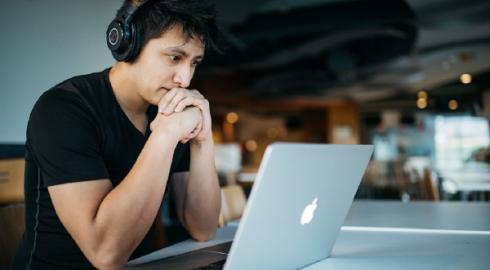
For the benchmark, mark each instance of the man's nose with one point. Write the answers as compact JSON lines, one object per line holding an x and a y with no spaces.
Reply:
{"x":183,"y":76}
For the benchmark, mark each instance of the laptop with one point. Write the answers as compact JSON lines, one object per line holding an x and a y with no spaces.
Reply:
{"x":298,"y":203}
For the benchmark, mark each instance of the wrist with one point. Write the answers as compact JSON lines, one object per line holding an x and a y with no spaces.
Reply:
{"x":166,"y":135}
{"x":203,"y":143}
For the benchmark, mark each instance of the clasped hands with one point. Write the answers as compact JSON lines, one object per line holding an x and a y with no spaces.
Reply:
{"x":185,"y":113}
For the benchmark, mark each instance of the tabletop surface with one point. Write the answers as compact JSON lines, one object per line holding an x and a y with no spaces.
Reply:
{"x":386,"y":235}
{"x":410,"y":250}
{"x":474,"y":216}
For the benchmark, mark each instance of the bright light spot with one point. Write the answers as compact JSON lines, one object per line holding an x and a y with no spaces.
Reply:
{"x":232,"y":117}
{"x":251,"y":145}
{"x":453,"y":104}
{"x":422,"y":94}
{"x":465,"y":78}
{"x":422,"y":103}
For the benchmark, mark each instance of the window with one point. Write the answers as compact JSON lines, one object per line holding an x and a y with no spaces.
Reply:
{"x":457,"y":137}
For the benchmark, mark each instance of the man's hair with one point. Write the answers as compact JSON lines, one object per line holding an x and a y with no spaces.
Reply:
{"x":196,"y":17}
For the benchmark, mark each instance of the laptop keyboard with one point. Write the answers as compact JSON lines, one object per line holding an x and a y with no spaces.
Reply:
{"x":213,"y":266}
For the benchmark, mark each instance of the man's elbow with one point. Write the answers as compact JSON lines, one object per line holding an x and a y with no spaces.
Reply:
{"x":109,"y":260}
{"x":200,"y":230}
{"x":204,"y":236}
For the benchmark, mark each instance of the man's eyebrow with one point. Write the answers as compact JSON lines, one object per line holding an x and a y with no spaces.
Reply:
{"x":184,"y":53}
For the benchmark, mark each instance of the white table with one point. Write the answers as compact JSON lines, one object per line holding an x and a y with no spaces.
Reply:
{"x":466,"y":181}
{"x":423,"y":215}
{"x":388,"y":235}
{"x":407,"y":251}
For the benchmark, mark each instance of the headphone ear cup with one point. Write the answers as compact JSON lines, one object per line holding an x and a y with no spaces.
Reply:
{"x":116,"y":38}
{"x":135,"y":41}
{"x":123,"y":35}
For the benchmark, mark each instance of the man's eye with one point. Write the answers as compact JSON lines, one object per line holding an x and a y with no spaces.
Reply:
{"x":174,"y":58}
{"x":196,"y":63}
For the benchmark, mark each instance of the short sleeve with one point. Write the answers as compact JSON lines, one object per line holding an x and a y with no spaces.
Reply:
{"x":64,"y":139}
{"x":182,"y":158}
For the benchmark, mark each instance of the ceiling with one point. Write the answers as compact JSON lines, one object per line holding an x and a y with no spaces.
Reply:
{"x":374,"y":52}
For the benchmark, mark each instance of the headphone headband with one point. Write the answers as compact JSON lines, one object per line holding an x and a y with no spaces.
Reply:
{"x":132,"y":11}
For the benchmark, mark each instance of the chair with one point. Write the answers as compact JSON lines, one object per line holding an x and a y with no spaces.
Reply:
{"x":12,"y":181}
{"x":420,"y":187}
{"x":233,"y":203}
{"x":431,"y":191}
{"x":12,"y":221}
{"x":12,"y":225}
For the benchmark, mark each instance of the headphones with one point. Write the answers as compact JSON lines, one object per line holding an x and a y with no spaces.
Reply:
{"x":123,"y":36}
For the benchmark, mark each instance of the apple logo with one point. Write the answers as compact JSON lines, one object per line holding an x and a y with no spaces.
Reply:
{"x":309,"y":212}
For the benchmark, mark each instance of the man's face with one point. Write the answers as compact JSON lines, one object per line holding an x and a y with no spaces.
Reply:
{"x":166,"y":62}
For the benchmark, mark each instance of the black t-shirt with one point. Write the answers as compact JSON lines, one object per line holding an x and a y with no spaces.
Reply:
{"x":77,"y":132}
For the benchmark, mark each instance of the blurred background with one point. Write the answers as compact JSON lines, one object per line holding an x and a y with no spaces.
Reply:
{"x":411,"y":77}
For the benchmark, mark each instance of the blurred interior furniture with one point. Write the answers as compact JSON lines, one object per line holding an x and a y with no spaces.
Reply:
{"x":12,"y":227}
{"x":246,"y":181}
{"x":470,"y":184}
{"x":431,"y":190}
{"x":343,"y":124}
{"x":233,"y":203}
{"x":227,"y":157}
{"x":11,"y":181}
{"x":12,"y":221}
{"x":415,"y":184}
{"x":395,"y":180}
{"x":421,"y":186}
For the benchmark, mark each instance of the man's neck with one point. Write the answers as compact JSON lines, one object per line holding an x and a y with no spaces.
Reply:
{"x":124,"y":87}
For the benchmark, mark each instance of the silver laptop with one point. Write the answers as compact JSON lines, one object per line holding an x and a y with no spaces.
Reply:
{"x":298,"y":203}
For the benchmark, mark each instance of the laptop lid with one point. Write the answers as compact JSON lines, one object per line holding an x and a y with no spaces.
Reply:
{"x":298,"y":203}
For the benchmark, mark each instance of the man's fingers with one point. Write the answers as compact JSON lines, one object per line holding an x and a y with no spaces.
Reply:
{"x":167,"y":98}
{"x":170,"y":108}
{"x":205,"y":121}
{"x":191,"y":136}
{"x":188,"y":101}
{"x":172,"y":100}
{"x":199,"y":127}
{"x":195,"y":132}
{"x":197,"y":93}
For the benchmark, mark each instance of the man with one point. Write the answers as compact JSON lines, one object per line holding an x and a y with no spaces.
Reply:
{"x":103,"y":148}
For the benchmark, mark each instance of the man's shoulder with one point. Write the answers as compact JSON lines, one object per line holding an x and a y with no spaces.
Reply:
{"x":88,"y":89}
{"x":79,"y":94}
{"x":81,"y":84}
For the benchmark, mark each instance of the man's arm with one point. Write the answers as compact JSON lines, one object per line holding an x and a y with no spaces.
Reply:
{"x":109,"y":223}
{"x":197,"y":193}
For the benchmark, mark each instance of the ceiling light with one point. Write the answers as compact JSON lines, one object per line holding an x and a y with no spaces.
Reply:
{"x":422,"y":94}
{"x":422,"y":103}
{"x":465,"y":78}
{"x":453,"y":104}
{"x":232,"y":117}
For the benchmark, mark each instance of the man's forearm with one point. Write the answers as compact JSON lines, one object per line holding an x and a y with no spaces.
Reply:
{"x":127,"y":212}
{"x":203,"y":201}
